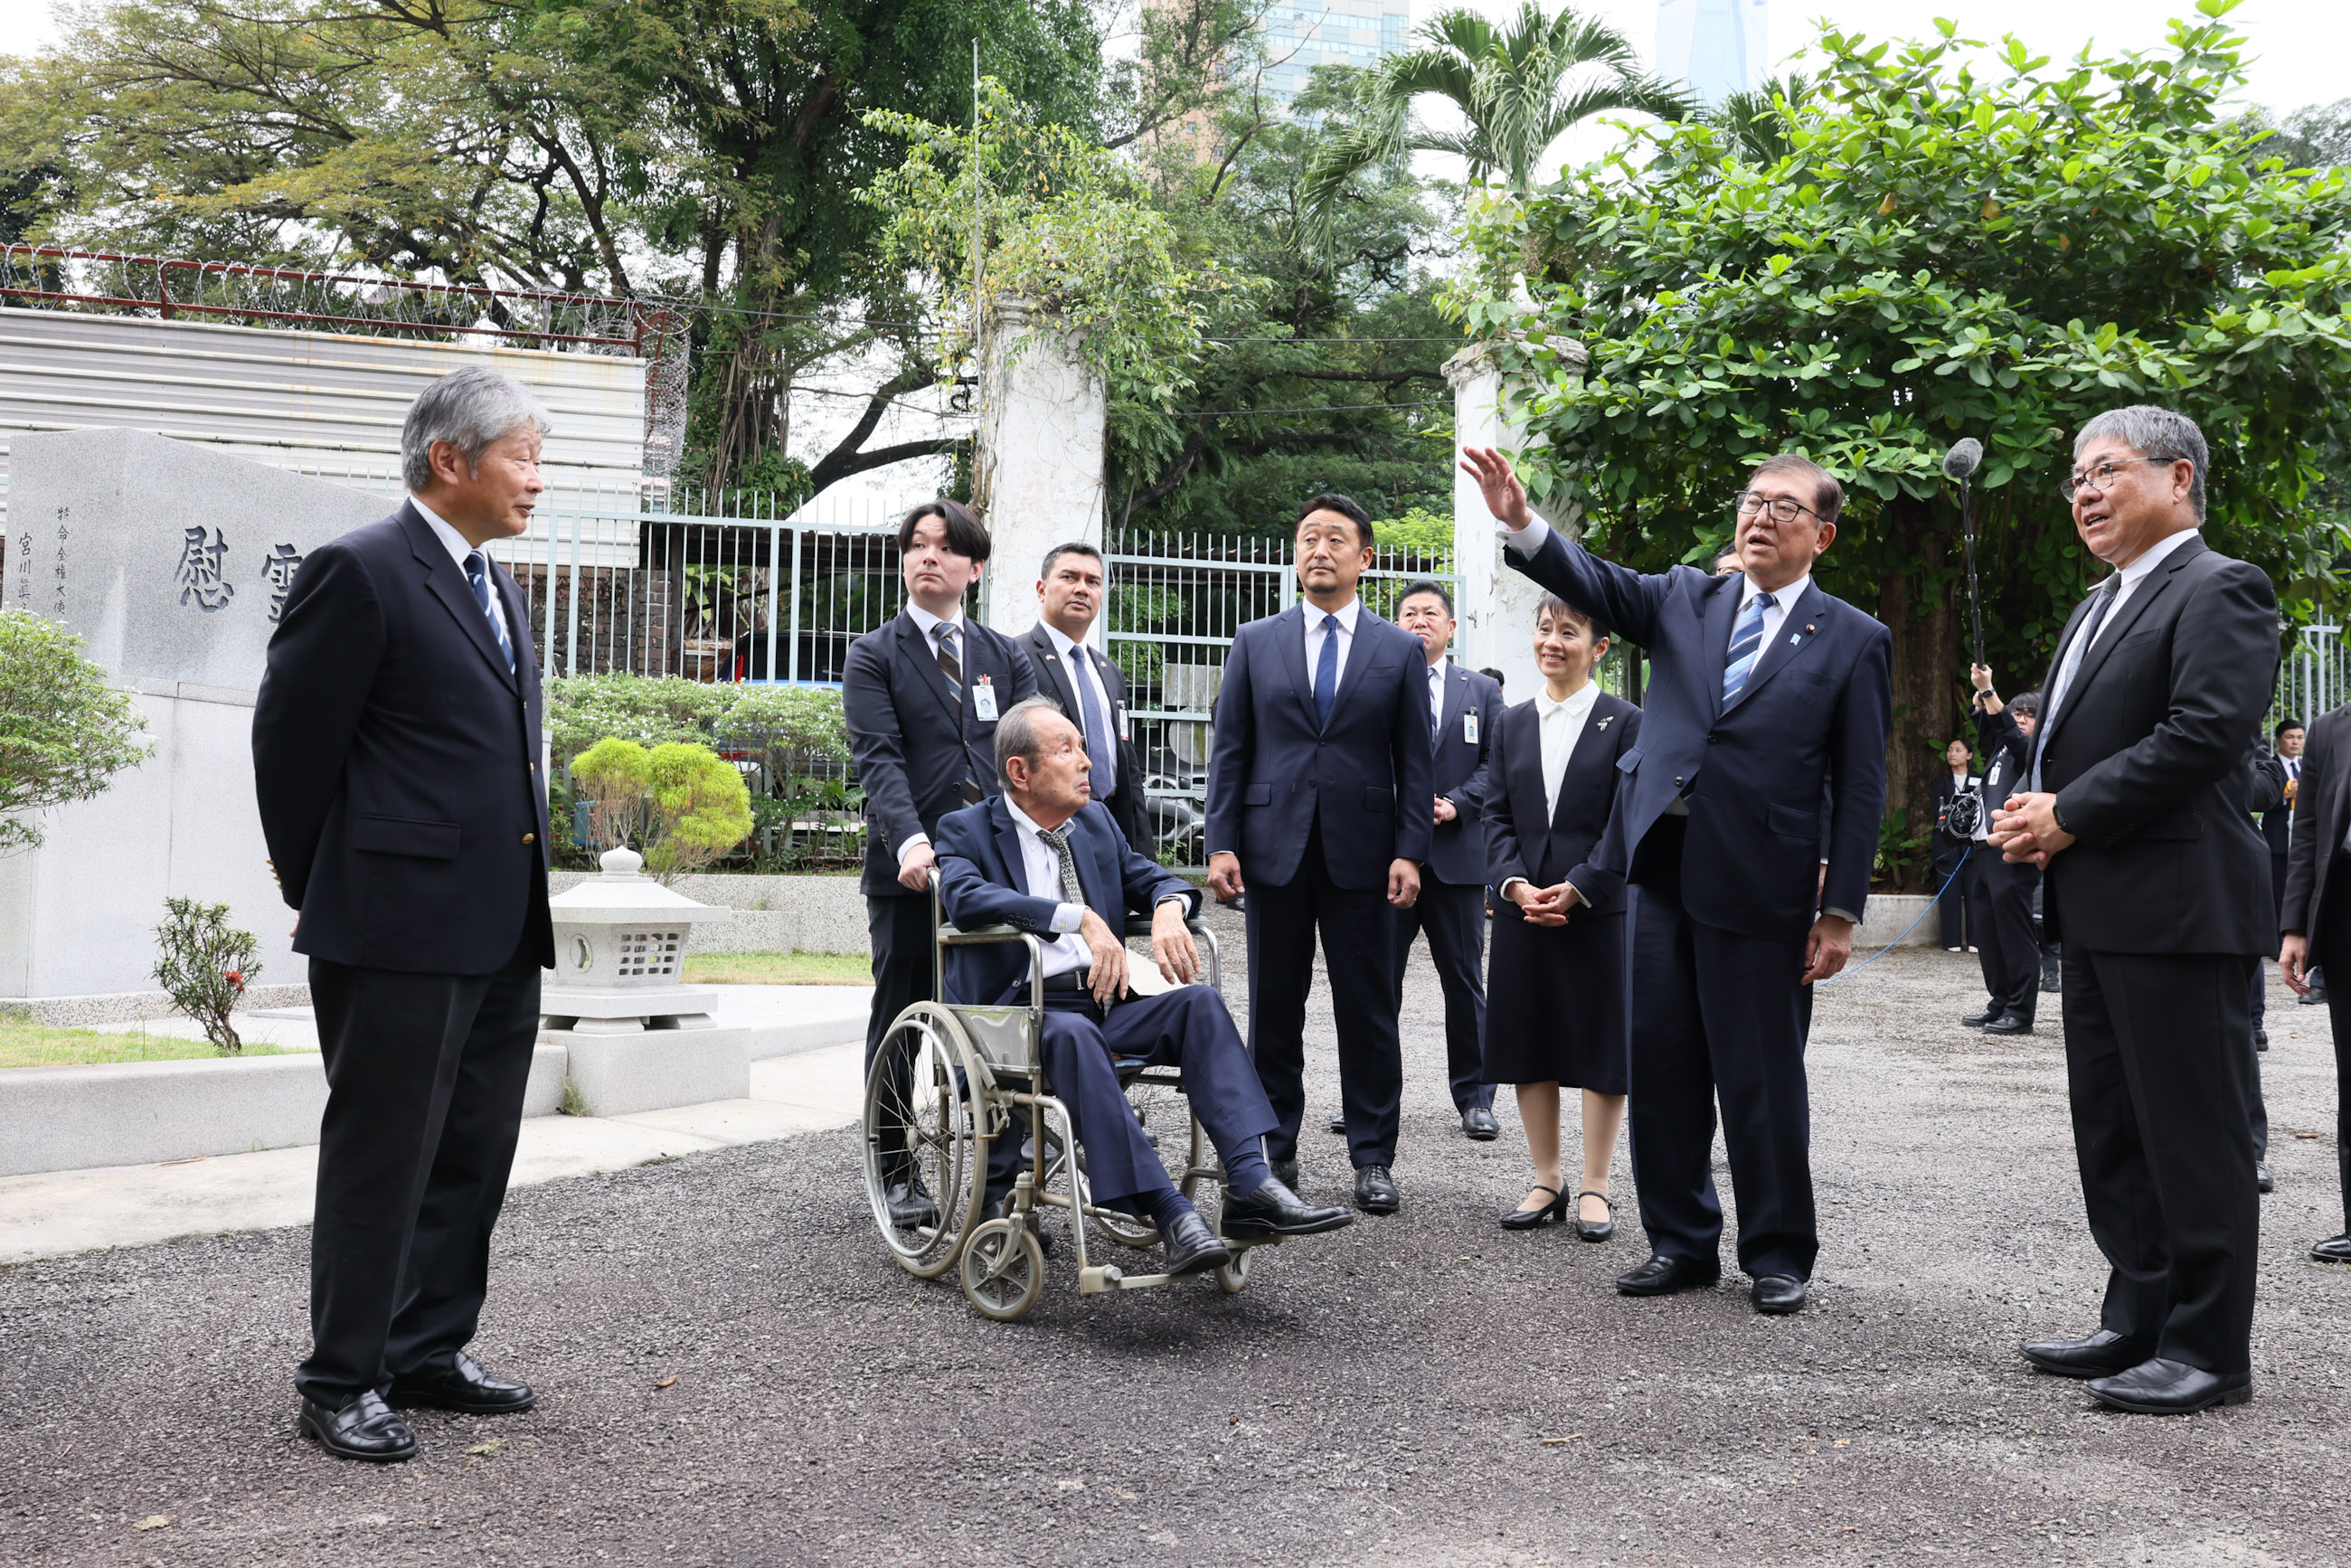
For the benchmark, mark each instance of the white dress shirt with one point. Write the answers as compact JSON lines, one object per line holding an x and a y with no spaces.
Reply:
{"x":455,"y":543}
{"x":1561,"y":725}
{"x":928,"y":624}
{"x":2126,"y":579}
{"x":1315,"y":634}
{"x":1084,"y":677}
{"x":1043,"y":868}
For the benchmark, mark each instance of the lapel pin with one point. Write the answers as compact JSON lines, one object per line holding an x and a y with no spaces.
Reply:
{"x":1603,"y":723}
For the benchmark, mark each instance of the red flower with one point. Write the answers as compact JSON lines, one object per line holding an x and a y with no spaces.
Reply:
{"x":236,"y":978}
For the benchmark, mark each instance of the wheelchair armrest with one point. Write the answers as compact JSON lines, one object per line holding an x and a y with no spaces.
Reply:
{"x":1140,"y":926}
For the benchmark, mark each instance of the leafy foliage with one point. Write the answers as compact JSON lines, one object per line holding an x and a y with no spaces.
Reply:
{"x":1936,"y":255}
{"x":683,"y":803}
{"x":63,"y":732}
{"x":205,"y":964}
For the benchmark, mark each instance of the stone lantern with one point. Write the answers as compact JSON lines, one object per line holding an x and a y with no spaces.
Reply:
{"x":615,"y":1002}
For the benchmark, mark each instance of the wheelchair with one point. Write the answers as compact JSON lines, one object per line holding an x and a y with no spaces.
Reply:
{"x":952,"y":1081}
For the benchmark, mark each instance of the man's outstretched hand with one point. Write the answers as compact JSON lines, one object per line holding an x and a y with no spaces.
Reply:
{"x":1505,"y":497}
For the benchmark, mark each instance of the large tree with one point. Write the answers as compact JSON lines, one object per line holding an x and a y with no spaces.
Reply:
{"x":1939,"y":254}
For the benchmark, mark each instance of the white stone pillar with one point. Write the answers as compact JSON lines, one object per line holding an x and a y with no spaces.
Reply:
{"x":1039,"y":480}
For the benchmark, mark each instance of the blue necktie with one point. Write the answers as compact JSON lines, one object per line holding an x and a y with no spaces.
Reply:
{"x":477,"y":573}
{"x":1326,"y":671}
{"x":1746,"y":647}
{"x":1101,"y":750}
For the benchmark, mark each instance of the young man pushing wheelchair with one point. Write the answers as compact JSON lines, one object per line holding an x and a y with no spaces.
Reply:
{"x":1046,"y":859}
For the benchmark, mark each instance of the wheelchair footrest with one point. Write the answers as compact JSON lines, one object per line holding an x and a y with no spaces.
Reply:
{"x":1107,"y":1277}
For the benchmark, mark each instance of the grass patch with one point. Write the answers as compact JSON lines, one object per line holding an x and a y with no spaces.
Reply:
{"x":23,"y":1043}
{"x":779,"y":970}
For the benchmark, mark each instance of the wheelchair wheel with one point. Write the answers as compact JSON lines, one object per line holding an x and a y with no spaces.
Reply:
{"x":1232,"y":1277}
{"x":1067,"y":1176}
{"x":926,"y":1118}
{"x":1003,"y":1271}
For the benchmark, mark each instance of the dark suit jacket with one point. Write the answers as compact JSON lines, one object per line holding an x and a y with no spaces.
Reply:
{"x":1457,"y":850}
{"x":1367,"y":777}
{"x":395,"y":759}
{"x":1520,"y":840}
{"x":1127,"y":805}
{"x":2150,"y":754}
{"x":2277,"y":816}
{"x":1814,"y":714}
{"x":2323,"y":801}
{"x":912,"y":744}
{"x":983,"y":882}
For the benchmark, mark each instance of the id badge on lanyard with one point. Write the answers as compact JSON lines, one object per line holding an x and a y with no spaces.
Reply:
{"x":983,"y":700}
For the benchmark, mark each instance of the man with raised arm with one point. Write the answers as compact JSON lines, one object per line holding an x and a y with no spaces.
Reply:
{"x":1766,"y":697}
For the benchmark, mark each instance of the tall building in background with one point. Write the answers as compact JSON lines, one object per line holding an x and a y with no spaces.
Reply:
{"x":1303,"y":34}
{"x":1715,"y":47}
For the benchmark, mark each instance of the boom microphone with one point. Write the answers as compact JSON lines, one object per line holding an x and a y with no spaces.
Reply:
{"x":1961,"y":463}
{"x":1961,"y":460}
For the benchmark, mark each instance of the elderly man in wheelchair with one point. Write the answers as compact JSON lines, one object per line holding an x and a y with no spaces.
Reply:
{"x":1045,"y":859}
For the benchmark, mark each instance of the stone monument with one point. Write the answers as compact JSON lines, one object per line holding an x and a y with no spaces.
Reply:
{"x":171,"y":562}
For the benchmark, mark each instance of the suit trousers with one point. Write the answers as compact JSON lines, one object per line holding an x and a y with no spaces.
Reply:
{"x":1962,"y":912}
{"x":899,"y":931}
{"x":2005,"y":944}
{"x":1455,"y":918}
{"x":425,"y":1076}
{"x":2158,"y":1055}
{"x":1187,"y":1029}
{"x":2331,"y":945}
{"x":1717,"y":1014}
{"x":1359,"y":949}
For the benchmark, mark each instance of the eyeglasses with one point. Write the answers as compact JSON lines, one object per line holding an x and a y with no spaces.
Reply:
{"x":1782,"y":509}
{"x":2101,"y":477}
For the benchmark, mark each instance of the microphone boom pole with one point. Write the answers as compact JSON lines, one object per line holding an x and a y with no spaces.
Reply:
{"x":1961,"y":463}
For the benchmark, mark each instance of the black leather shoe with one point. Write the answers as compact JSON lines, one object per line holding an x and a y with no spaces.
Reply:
{"x":2261,"y":1039}
{"x":1777,"y":1295}
{"x":1339,"y":1125}
{"x":2160,"y":1387}
{"x":463,"y":1386}
{"x":1662,"y":1276}
{"x":2333,"y":1250}
{"x":1536,"y":1218}
{"x":1193,"y":1247}
{"x":1274,"y":1210}
{"x":1285,"y":1172}
{"x":994,"y":1208}
{"x":1375,"y":1191}
{"x":910,"y":1205}
{"x":1480,"y":1123}
{"x":2314,"y":997}
{"x":1587,"y":1229}
{"x":2103,"y":1354}
{"x":1976,"y":1020}
{"x":2261,"y":1178}
{"x":366,"y":1428}
{"x":2009,"y":1023}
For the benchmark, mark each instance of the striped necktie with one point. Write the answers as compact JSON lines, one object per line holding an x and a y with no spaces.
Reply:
{"x":1746,"y":647}
{"x":1058,"y":840}
{"x":951,"y":667}
{"x":477,"y":573}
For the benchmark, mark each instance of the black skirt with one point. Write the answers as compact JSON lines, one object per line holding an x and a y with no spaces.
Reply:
{"x":1555,"y":1003}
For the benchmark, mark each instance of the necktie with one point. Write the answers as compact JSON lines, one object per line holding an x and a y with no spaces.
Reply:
{"x":1746,"y":647}
{"x":1058,"y":840}
{"x":1101,"y":750}
{"x":951,"y":667}
{"x":2062,"y":688}
{"x":1326,"y":671}
{"x":1435,"y":707}
{"x":477,"y":573}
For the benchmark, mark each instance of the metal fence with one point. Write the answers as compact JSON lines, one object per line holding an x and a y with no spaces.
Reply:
{"x":2313,"y":678}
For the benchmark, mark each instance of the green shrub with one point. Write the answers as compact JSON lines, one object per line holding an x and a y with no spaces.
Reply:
{"x":682,"y":804}
{"x":63,"y":732}
{"x":205,"y":967}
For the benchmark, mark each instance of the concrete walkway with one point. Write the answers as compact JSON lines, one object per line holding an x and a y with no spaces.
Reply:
{"x":55,"y":1213}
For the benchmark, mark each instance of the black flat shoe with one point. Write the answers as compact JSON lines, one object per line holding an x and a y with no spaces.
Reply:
{"x":1535,"y":1218}
{"x":463,"y":1385}
{"x":2160,"y":1387}
{"x":1479,"y":1122}
{"x":2261,"y":1178}
{"x":366,"y":1428}
{"x":1662,"y":1276}
{"x":1193,"y":1247}
{"x":1375,"y":1191}
{"x":1976,"y":1020}
{"x":1585,"y":1228}
{"x":1274,"y":1210}
{"x":910,"y":1205}
{"x":1339,"y":1125}
{"x":1777,"y":1295}
{"x":2312,"y":997}
{"x":2103,"y":1354}
{"x":1285,"y":1172}
{"x":2261,"y":1039}
{"x":2333,"y":1250}
{"x":2009,"y":1023}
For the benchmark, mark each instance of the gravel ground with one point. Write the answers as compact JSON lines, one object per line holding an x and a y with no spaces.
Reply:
{"x":734,"y":1373}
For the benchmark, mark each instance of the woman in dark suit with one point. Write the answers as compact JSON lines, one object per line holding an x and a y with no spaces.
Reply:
{"x":1555,"y":1009}
{"x":1962,"y":920}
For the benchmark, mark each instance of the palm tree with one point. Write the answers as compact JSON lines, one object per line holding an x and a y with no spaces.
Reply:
{"x":1753,"y":121}
{"x":1519,"y":86}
